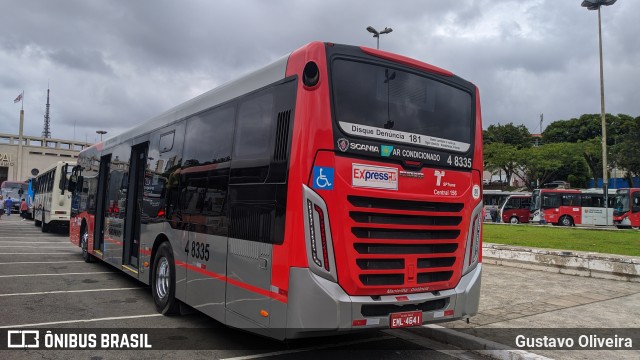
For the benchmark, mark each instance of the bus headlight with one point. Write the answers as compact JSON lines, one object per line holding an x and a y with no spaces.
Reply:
{"x":318,"y":240}
{"x":474,"y":240}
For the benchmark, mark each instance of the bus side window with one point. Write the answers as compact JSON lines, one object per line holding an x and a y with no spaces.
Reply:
{"x":636,"y":202}
{"x":253,"y":139}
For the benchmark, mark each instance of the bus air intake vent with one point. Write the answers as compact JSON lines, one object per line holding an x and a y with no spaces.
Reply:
{"x":430,"y":277}
{"x":406,"y":205}
{"x":404,"y":234}
{"x":282,"y":136}
{"x":380,"y":264}
{"x":382,"y":279}
{"x":406,"y":249}
{"x":402,"y":219}
{"x":436,"y":262}
{"x":252,"y":222}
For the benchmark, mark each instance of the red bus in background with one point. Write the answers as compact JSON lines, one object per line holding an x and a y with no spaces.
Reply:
{"x":570,"y":207}
{"x":516,"y":209}
{"x":626,"y":212}
{"x":337,"y":189}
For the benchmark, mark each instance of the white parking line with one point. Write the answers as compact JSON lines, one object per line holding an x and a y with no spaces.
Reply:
{"x":35,"y":247}
{"x":20,"y":237}
{"x":432,"y":344}
{"x":81,"y":321}
{"x":51,"y":253}
{"x":34,"y":242}
{"x":328,"y":346}
{"x":62,"y":274}
{"x":67,"y":291}
{"x":40,"y":262}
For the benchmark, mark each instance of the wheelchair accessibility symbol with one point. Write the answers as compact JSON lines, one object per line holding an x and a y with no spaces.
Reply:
{"x":322,"y":178}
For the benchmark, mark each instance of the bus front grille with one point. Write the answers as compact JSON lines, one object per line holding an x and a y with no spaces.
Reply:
{"x":404,"y":243}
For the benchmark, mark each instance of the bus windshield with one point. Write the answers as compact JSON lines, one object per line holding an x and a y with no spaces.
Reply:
{"x":622,"y":202}
{"x":535,"y":201}
{"x":391,"y":104}
{"x":12,"y":189}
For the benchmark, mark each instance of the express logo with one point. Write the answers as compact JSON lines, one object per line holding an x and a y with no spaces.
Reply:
{"x":343,"y":144}
{"x":376,"y":177}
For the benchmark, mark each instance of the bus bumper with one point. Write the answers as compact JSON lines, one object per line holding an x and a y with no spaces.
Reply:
{"x":318,"y":306}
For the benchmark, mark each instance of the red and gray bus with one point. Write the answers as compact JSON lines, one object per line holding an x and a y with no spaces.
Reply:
{"x":337,"y":189}
{"x":569,"y":207}
{"x":626,"y":213}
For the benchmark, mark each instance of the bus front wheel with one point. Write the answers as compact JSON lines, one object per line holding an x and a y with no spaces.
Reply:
{"x":163,"y":283}
{"x":566,"y":221}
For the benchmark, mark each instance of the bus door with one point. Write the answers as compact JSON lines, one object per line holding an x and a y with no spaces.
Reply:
{"x":131,"y":239}
{"x":634,"y":215}
{"x":101,"y":204}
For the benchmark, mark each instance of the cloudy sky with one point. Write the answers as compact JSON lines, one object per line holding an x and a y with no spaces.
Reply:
{"x":112,"y":64}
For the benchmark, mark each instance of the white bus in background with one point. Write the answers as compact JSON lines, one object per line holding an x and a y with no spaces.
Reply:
{"x":52,"y":200}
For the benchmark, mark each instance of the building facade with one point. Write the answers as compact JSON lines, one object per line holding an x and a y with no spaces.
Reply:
{"x":19,"y":158}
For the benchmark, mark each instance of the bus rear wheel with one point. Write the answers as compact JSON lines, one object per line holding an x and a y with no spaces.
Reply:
{"x":566,"y":221}
{"x":514,"y":220}
{"x":163,"y":282}
{"x":45,"y":226}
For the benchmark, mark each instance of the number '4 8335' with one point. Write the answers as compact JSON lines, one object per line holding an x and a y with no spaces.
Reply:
{"x":198,"y":250}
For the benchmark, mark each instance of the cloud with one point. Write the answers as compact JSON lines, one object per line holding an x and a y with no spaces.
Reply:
{"x":114,"y":64}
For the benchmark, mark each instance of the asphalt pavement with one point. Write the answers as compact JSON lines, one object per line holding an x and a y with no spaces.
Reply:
{"x":45,"y":285}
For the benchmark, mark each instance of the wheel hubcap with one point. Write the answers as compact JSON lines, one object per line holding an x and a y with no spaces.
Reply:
{"x":162,"y":278}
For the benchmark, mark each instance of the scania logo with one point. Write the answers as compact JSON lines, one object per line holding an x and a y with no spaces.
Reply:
{"x":343,"y":144}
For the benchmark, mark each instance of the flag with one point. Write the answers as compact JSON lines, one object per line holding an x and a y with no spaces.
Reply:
{"x":18,"y":98}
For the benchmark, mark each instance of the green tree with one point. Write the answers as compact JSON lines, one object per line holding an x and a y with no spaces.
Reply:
{"x":592,"y":152}
{"x":541,"y":164}
{"x":501,"y":156}
{"x":625,"y":154}
{"x":510,"y":134}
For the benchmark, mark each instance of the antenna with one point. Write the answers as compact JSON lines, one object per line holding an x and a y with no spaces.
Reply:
{"x":46,"y":133}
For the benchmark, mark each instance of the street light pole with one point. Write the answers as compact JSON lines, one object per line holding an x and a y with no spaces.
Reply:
{"x":377,"y":34}
{"x":101,"y":132}
{"x":605,"y":177}
{"x":596,"y":5}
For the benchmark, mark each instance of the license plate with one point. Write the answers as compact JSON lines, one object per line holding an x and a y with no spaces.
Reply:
{"x":405,"y":319}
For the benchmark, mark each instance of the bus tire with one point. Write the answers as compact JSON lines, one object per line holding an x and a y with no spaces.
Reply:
{"x":514,"y":220}
{"x":45,"y":226}
{"x":163,"y":283}
{"x":84,"y":245}
{"x":566,"y":221}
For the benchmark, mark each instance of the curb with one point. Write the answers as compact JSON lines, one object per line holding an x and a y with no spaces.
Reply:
{"x":484,"y":347}
{"x":595,"y":265}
